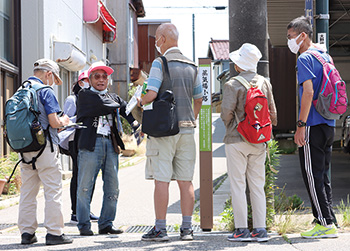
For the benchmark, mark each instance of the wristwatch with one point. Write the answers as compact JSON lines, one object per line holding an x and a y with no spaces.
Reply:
{"x":301,"y":123}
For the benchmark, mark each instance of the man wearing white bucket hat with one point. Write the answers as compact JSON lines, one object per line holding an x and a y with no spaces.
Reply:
{"x":245,"y":161}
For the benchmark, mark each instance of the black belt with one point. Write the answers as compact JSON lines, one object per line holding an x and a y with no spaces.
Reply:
{"x":104,"y":136}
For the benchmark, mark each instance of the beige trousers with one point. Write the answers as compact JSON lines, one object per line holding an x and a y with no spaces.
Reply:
{"x":247,"y":162}
{"x":47,"y":172}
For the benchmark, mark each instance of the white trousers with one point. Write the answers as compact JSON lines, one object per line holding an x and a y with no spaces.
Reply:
{"x":247,"y":162}
{"x":47,"y":172}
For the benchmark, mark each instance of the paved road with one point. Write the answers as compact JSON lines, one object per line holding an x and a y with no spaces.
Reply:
{"x":135,"y":207}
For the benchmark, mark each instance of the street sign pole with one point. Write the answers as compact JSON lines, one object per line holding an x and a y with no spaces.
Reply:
{"x":205,"y":147}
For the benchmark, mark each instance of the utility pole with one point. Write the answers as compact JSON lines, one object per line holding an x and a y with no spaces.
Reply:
{"x":248,"y":24}
{"x":322,"y":22}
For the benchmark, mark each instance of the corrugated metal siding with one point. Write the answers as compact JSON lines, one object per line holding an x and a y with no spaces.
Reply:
{"x":279,"y":14}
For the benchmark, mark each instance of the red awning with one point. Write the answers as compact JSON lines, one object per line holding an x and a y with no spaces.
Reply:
{"x":93,"y":11}
{"x":109,"y":24}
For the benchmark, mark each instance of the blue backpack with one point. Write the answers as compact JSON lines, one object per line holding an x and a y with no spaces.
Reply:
{"x":23,"y":130}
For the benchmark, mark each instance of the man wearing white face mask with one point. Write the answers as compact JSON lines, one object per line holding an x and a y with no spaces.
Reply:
{"x":48,"y":166}
{"x":314,"y":134}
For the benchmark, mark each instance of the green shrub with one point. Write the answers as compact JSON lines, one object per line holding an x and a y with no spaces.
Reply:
{"x":284,"y":203}
{"x":227,"y":216}
{"x":271,"y":164}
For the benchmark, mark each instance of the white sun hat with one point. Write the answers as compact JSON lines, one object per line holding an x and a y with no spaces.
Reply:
{"x":246,"y":57}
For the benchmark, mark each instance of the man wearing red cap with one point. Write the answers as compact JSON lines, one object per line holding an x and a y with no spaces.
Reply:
{"x":98,"y":148}
{"x":68,"y":145}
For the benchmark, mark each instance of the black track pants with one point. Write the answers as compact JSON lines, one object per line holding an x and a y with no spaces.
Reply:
{"x":315,"y":158}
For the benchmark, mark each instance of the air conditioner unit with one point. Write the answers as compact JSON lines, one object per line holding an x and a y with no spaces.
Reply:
{"x":69,"y":56}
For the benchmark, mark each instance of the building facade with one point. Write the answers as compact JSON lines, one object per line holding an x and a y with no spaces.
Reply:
{"x":75,"y":34}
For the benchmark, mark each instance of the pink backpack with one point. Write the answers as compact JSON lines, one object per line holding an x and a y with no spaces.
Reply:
{"x":256,"y":127}
{"x":332,"y":101}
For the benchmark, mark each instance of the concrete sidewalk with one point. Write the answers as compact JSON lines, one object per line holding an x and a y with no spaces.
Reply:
{"x":135,"y":208}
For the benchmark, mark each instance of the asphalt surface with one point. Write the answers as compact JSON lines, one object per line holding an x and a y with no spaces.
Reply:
{"x":135,"y":208}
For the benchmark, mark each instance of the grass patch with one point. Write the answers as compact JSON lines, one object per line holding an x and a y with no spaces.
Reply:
{"x":344,"y":211}
{"x":290,"y":222}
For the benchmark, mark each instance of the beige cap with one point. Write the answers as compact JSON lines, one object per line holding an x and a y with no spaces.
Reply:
{"x":49,"y":65}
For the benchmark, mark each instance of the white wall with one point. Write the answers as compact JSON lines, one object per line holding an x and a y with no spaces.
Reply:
{"x":46,"y":21}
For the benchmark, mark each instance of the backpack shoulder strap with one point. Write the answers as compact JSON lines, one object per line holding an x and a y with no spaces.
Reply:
{"x":317,"y":56}
{"x":38,"y":86}
{"x":243,"y":81}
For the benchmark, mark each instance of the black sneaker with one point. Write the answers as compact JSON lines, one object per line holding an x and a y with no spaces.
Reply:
{"x":240,"y":235}
{"x":58,"y":239}
{"x":93,"y":217}
{"x":27,"y":238}
{"x":259,"y":236}
{"x":186,"y":234}
{"x":73,"y":219}
{"x":154,"y":235}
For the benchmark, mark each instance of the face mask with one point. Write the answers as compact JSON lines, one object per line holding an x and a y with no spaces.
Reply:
{"x":86,"y":84}
{"x":100,"y":92}
{"x":293,"y":46}
{"x":158,"y":47}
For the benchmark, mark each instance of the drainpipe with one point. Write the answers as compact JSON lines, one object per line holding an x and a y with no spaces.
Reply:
{"x":322,"y":22}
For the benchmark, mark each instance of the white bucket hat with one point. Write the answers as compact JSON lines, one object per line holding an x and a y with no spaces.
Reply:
{"x":246,"y":57}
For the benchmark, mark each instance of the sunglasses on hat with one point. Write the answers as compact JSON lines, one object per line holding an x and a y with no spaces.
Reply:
{"x":97,"y":76}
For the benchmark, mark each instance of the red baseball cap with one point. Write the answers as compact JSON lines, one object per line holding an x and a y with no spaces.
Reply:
{"x":83,"y":75}
{"x":100,"y":66}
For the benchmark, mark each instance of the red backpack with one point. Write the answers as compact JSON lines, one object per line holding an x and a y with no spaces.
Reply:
{"x":256,"y":127}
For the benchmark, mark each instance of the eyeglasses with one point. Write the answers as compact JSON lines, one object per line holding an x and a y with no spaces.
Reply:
{"x":97,"y":76}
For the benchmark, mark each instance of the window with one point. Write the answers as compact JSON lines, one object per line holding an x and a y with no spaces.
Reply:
{"x":7,"y":29}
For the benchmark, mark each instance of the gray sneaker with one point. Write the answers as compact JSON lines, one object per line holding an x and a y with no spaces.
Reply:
{"x":240,"y":235}
{"x":186,"y":234}
{"x":154,"y":235}
{"x":259,"y":236}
